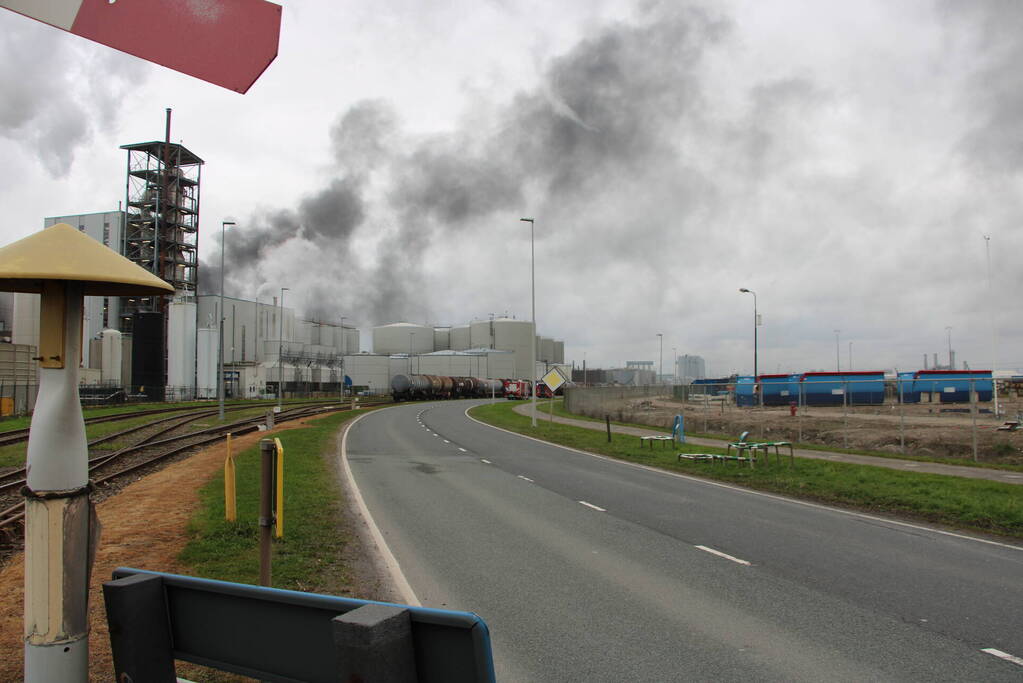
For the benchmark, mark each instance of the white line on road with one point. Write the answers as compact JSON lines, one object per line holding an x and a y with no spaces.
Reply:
{"x":462,"y":449}
{"x":591,"y":505}
{"x":485,"y":460}
{"x":525,"y":478}
{"x":1003,"y":655}
{"x":446,"y":441}
{"x":724,"y":555}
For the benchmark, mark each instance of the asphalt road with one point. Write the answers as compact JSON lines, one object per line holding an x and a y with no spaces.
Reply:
{"x":588,"y":569}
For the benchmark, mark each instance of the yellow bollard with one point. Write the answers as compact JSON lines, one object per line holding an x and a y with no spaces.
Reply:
{"x":230,"y":497}
{"x":280,"y":489}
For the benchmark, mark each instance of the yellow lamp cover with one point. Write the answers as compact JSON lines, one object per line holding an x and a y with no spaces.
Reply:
{"x":63,"y":253}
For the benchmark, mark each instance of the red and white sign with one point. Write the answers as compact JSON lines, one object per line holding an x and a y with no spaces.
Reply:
{"x":225,"y":42}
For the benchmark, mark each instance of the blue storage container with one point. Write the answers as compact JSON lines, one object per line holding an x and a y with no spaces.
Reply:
{"x":780,"y":390}
{"x":745,"y":395}
{"x":831,"y":388}
{"x":953,"y":386}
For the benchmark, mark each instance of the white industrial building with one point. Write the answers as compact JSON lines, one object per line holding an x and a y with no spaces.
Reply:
{"x":689,"y":368}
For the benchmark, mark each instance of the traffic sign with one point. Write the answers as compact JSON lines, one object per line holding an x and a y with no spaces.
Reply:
{"x":554,"y":379}
{"x":225,"y":42}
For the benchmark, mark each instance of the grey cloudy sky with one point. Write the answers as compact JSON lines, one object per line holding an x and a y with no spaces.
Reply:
{"x":843,"y":160}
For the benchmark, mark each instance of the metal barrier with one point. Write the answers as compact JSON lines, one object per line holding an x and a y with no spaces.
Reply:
{"x":279,"y":635}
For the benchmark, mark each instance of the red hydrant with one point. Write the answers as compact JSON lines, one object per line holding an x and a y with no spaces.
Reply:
{"x":792,"y":408}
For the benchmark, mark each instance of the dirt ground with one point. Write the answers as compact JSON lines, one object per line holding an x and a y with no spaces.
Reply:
{"x":926,"y":430}
{"x":144,"y":526}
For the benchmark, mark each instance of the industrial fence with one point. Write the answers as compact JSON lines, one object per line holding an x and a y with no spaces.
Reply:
{"x":955,"y":416}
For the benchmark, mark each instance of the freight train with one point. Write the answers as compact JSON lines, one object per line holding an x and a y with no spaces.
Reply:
{"x":418,"y":387}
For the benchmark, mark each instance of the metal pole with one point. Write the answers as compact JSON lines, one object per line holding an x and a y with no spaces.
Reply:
{"x":220,"y":349}
{"x":838,"y":361}
{"x":744,"y":290}
{"x":845,"y":414}
{"x":949,"y":330}
{"x":902,"y":415}
{"x":973,"y":411}
{"x":532,"y":354}
{"x":994,"y":333}
{"x":58,"y":511}
{"x":267,"y":450}
{"x":660,"y":358}
{"x":850,"y":367}
{"x":280,"y":354}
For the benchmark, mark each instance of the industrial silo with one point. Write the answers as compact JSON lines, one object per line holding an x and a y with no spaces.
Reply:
{"x":481,"y":334}
{"x":515,"y":336}
{"x":459,"y":337}
{"x":559,"y":351}
{"x":441,"y":338}
{"x":402,"y":338}
{"x":547,"y":349}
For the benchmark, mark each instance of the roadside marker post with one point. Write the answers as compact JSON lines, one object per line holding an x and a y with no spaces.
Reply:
{"x":230,"y":485}
{"x":279,"y":476}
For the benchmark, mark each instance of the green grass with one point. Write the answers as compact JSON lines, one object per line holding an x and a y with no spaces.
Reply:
{"x":974,"y":504}
{"x":307,"y":558}
{"x":559,"y":411}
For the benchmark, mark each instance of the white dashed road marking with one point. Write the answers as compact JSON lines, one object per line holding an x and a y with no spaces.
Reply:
{"x":724,"y":555}
{"x":591,"y":505}
{"x":525,"y":478}
{"x":1003,"y":655}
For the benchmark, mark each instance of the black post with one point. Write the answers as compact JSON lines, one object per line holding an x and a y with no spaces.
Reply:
{"x":140,"y":638}
{"x":607,"y":418}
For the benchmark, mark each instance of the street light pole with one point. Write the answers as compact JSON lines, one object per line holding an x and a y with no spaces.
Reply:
{"x":411,"y":336}
{"x":220,"y":346}
{"x":949,"y":330}
{"x":343,"y":349}
{"x":660,"y":358}
{"x":850,"y":357}
{"x":750,"y":291}
{"x":991,"y":315}
{"x":674,"y":365}
{"x":838,"y":360}
{"x":280,"y":354}
{"x":532,"y":287}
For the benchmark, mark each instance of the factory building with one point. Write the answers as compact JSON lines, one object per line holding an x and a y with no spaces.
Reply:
{"x":689,"y":368}
{"x":514,"y":338}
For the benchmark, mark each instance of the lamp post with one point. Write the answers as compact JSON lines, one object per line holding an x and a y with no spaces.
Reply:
{"x":532,"y":354}
{"x":62,"y":265}
{"x":838,"y":360}
{"x":949,"y":330}
{"x":220,"y":346}
{"x":280,"y":354}
{"x":674,"y":365}
{"x":343,"y":349}
{"x":660,"y":358}
{"x":850,"y":357}
{"x":991,"y":315}
{"x":750,"y":291}
{"x":411,"y":336}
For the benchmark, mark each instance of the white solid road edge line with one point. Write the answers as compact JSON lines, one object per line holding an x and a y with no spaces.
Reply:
{"x":724,"y":555}
{"x":591,"y":505}
{"x":525,"y":479}
{"x":390,"y":561}
{"x":1003,"y":655}
{"x":751,"y":492}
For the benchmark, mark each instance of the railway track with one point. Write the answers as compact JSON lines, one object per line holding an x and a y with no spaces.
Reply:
{"x":18,"y":435}
{"x":106,"y":470}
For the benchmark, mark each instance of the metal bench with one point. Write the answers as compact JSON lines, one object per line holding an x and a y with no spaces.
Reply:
{"x":662,"y":438}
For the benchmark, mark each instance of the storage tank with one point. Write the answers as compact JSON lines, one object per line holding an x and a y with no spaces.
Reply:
{"x":181,"y":323}
{"x":441,"y":338}
{"x":111,"y":353}
{"x":547,"y":349}
{"x":401,"y":337}
{"x":515,"y":336}
{"x":459,"y":337}
{"x":559,"y":351}
{"x":481,"y":334}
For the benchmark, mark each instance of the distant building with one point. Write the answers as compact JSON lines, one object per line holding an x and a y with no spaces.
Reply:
{"x":689,"y":368}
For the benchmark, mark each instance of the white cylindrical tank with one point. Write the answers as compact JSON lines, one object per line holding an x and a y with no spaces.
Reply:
{"x":547,"y":349}
{"x":441,"y":338}
{"x":181,"y":322}
{"x":515,"y":336}
{"x":206,"y":363}
{"x":459,"y":337}
{"x":401,"y":338}
{"x":481,"y":334}
{"x":111,"y":369}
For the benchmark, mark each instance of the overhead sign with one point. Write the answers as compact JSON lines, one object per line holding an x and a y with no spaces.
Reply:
{"x":225,"y":42}
{"x":554,"y":379}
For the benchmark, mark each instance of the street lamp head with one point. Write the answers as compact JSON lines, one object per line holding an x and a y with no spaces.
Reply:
{"x":526,"y":220}
{"x":744,"y":290}
{"x":228,"y":223}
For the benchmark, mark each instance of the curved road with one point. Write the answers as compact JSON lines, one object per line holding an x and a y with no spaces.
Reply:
{"x":589,"y":569}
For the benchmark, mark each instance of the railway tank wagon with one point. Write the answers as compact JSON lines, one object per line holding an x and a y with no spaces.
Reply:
{"x":425,"y":387}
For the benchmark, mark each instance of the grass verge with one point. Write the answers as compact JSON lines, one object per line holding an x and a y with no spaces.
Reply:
{"x":308,"y":557}
{"x":559,"y":411}
{"x":973,"y":504}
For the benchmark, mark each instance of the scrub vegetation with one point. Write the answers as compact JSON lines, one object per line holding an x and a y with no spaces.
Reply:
{"x":308,"y":557}
{"x":973,"y":504}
